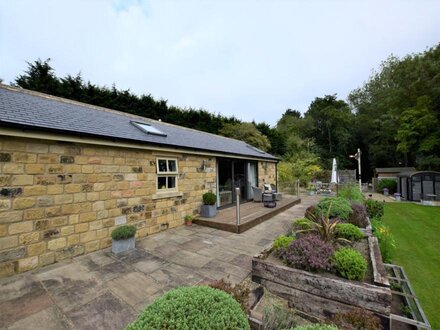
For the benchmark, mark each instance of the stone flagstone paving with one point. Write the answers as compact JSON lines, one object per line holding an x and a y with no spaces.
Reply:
{"x":104,"y":291}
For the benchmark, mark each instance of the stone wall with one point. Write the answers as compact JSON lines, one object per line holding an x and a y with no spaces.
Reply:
{"x":59,"y":199}
{"x":266,"y":173}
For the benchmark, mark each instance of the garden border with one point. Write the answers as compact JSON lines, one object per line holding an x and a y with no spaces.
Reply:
{"x":319,"y":297}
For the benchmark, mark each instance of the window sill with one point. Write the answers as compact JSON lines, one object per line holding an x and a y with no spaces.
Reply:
{"x":167,"y":194}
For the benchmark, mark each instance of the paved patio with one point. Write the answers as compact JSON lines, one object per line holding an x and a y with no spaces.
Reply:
{"x":104,"y":291}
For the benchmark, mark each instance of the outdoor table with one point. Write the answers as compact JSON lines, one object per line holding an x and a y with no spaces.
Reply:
{"x":431,"y":197}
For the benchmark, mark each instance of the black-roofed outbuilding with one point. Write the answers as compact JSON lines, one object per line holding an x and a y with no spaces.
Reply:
{"x":419,"y":185}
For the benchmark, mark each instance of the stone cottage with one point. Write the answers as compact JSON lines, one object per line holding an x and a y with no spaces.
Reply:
{"x":71,"y":172}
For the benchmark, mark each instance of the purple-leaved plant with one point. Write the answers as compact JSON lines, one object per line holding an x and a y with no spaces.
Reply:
{"x":359,"y":215}
{"x":308,"y":252}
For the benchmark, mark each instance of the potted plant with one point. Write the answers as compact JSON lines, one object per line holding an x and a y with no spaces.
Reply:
{"x":311,"y":189}
{"x":123,"y":238}
{"x":209,"y":208}
{"x":189,"y":219}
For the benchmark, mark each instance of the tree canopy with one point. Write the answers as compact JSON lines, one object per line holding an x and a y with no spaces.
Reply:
{"x":397,"y":112}
{"x":393,"y":118}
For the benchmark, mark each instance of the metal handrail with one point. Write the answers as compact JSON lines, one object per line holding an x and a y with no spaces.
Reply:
{"x":400,"y":276}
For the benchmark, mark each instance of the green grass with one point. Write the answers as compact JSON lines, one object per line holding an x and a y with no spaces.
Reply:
{"x":417,"y":232}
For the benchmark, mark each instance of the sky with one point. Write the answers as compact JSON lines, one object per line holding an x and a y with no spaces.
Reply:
{"x":251,"y":59}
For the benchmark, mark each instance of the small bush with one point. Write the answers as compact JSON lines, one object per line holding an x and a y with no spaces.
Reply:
{"x":391,"y":184}
{"x":308,"y":252}
{"x":189,"y":218}
{"x":282,"y":242}
{"x":387,"y":243}
{"x":123,"y":232}
{"x":359,"y":215}
{"x":376,"y":223}
{"x":350,"y":264}
{"x":335,"y":207}
{"x":239,"y":292}
{"x":302,"y":224}
{"x":278,"y":317}
{"x":348,"y":231}
{"x":357,"y":318}
{"x":310,"y":213}
{"x":316,"y":327}
{"x":198,"y":307}
{"x":209,"y":198}
{"x":374,"y":208}
{"x":351,"y":192}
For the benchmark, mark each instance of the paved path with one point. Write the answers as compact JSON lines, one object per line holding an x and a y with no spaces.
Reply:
{"x":104,"y":291}
{"x":379,"y":197}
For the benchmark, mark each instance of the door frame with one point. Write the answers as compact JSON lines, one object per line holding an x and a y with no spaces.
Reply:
{"x":232,"y":162}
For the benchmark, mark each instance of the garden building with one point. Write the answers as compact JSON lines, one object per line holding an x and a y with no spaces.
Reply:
{"x":391,"y":172}
{"x":71,"y":172}
{"x":416,"y":186}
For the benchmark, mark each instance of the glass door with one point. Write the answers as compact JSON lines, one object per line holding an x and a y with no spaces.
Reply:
{"x":235,"y":173}
{"x":240,"y":179}
{"x":224,"y":184}
{"x":252,"y":179}
{"x":416,"y":188}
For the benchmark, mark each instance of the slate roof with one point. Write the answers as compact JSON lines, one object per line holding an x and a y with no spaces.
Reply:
{"x":27,"y":109}
{"x":394,"y":169}
{"x":412,"y":173}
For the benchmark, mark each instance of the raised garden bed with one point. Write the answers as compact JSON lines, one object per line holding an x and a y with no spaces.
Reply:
{"x":319,"y":296}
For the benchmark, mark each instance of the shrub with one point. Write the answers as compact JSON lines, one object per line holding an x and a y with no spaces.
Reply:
{"x":240,"y":292}
{"x":387,"y":243}
{"x":325,"y":228}
{"x":123,"y":232}
{"x":308,"y":252}
{"x":348,"y":231}
{"x":374,"y":208}
{"x":316,"y":327}
{"x":189,"y":218}
{"x":198,"y":307}
{"x":376,"y":223}
{"x":302,"y":224}
{"x":391,"y":184}
{"x":310,"y":213}
{"x":357,"y":318}
{"x":278,"y":317}
{"x":351,"y":192}
{"x":335,"y":207}
{"x":209,"y":198}
{"x":359,"y":215}
{"x":282,"y":242}
{"x":350,"y":264}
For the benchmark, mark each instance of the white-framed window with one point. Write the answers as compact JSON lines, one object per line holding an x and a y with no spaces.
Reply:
{"x":167,"y":172}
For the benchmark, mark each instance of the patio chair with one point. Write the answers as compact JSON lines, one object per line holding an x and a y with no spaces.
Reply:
{"x":258,"y":194}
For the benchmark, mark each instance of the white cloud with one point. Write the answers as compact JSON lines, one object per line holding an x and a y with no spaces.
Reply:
{"x":253,"y":59}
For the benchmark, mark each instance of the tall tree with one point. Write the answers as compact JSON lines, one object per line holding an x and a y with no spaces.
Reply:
{"x":330,"y":125}
{"x":40,"y":76}
{"x":277,"y":143}
{"x":246,"y":132}
{"x":396,"y":111}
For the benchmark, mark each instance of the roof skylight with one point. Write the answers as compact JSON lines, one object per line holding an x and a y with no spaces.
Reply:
{"x":149,"y":129}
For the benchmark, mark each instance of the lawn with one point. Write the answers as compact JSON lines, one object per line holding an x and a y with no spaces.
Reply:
{"x":417,"y":232}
